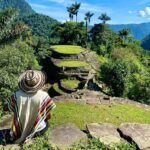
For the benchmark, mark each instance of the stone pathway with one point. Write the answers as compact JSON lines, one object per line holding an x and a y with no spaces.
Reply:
{"x":65,"y":136}
{"x":93,"y":97}
{"x":107,"y":133}
{"x":139,"y":133}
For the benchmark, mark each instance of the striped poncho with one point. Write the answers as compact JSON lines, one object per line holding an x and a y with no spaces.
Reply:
{"x":30,"y":110}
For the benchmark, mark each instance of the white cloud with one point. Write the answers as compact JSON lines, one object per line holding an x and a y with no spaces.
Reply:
{"x":93,"y":8}
{"x":142,"y":13}
{"x":54,"y":12}
{"x":62,"y":2}
{"x":84,"y":6}
{"x":131,"y":12}
{"x":145,"y":12}
{"x":60,"y":13}
{"x":38,"y":6}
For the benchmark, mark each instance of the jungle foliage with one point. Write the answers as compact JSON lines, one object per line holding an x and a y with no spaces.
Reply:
{"x":124,"y":65}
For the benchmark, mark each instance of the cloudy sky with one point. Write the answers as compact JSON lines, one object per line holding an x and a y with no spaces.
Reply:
{"x":120,"y":11}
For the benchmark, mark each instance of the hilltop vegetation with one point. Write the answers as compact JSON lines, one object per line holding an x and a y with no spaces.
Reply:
{"x":21,"y":5}
{"x":15,"y":54}
{"x":124,"y":69}
{"x":41,"y":25}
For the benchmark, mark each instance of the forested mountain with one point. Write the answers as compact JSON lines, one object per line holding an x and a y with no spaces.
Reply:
{"x":40,"y":24}
{"x":23,"y":7}
{"x":139,"y":31}
{"x":146,"y":43}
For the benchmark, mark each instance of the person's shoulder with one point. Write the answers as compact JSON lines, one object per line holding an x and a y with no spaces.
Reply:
{"x":42,"y":93}
{"x":19,"y":93}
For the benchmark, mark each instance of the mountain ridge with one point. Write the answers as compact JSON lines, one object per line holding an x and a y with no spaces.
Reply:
{"x":139,"y":31}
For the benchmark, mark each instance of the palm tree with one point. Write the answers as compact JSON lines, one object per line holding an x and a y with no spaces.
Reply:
{"x":87,"y":18}
{"x":76,"y":7}
{"x":71,"y":11}
{"x":104,"y":18}
{"x":124,"y":33}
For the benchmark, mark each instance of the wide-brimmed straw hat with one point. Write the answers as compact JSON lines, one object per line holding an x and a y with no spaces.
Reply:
{"x":31,"y":81}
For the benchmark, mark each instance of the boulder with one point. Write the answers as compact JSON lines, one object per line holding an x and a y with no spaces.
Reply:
{"x":11,"y":147}
{"x":139,"y":133}
{"x":1,"y":147}
{"x":65,"y":136}
{"x":106,"y":133}
{"x":5,"y":122}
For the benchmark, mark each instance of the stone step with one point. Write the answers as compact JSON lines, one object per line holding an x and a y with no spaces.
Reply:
{"x":106,"y":133}
{"x":66,"y":136}
{"x":138,"y":133}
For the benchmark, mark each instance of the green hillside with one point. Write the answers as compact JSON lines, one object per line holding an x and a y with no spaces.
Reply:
{"x":23,"y":7}
{"x":40,"y":24}
{"x":145,"y":43}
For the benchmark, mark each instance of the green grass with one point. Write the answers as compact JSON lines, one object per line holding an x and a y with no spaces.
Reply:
{"x":67,"y":49}
{"x":73,"y":64}
{"x":70,"y":84}
{"x":81,"y":114}
{"x":91,"y":144}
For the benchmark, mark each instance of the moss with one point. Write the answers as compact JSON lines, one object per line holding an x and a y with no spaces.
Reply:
{"x":70,"y":84}
{"x":73,"y":64}
{"x":67,"y":49}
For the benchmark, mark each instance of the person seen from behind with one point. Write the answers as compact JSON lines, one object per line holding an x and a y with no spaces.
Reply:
{"x":31,"y":107}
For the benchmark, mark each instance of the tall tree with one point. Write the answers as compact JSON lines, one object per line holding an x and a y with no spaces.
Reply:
{"x":124,"y":33}
{"x":15,"y":55}
{"x":104,"y":18}
{"x":71,"y":11}
{"x":87,"y":18}
{"x":76,"y":8}
{"x":9,"y":29}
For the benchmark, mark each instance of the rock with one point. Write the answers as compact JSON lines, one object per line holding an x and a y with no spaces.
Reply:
{"x":12,"y":147}
{"x":92,"y":100}
{"x":1,"y":147}
{"x":5,"y":122}
{"x":139,"y":133}
{"x":106,"y":133}
{"x":65,"y":136}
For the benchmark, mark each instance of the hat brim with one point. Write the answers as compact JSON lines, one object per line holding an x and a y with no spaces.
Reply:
{"x":24,"y":87}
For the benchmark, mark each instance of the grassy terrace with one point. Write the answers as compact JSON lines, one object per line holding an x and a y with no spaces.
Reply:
{"x":70,"y":84}
{"x":67,"y":49}
{"x":72,"y":63}
{"x":81,"y":114}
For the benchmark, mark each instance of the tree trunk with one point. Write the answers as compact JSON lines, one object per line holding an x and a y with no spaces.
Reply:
{"x":76,"y":18}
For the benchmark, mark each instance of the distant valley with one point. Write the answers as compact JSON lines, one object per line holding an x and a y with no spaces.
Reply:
{"x":139,"y":31}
